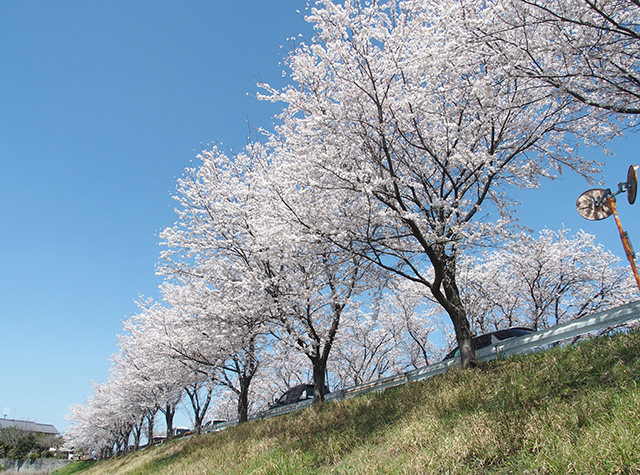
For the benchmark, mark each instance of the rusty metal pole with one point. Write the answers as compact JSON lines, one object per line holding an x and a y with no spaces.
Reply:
{"x":626,"y":243}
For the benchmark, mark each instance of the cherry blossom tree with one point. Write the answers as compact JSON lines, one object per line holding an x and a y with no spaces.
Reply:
{"x":235,"y":237}
{"x":543,"y":282}
{"x":589,"y":50}
{"x":200,"y":393}
{"x":284,"y":367}
{"x":217,"y":332}
{"x":398,"y":110}
{"x":309,"y":303}
{"x":398,"y":330}
{"x":416,"y":323}
{"x":92,"y":429}
{"x":196,"y":381}
{"x":130,"y":397}
{"x":105,"y":423}
{"x":365,"y":351}
{"x":318,"y":284}
{"x":150,"y":362}
{"x":215,"y":271}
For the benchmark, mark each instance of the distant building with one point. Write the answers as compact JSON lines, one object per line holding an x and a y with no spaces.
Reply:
{"x":28,"y":426}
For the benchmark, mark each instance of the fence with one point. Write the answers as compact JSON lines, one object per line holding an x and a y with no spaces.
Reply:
{"x":38,"y":466}
{"x":597,"y":322}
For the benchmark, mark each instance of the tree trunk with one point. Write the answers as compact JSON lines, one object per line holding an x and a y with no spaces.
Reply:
{"x":445,"y":270}
{"x":243,"y":399}
{"x":463,"y":337}
{"x":319,"y":383}
{"x":199,"y":407}
{"x":150,"y":420}
{"x":126,"y":438}
{"x":169,"y":412}
{"x":137,"y":432}
{"x":461,"y":325}
{"x":119,"y":450}
{"x":198,"y":420}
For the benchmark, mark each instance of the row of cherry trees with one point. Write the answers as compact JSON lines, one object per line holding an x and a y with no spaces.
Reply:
{"x":171,"y":354}
{"x":334,"y":246}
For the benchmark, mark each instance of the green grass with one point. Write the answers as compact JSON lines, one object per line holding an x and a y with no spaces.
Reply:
{"x":574,"y":410}
{"x":75,"y":467}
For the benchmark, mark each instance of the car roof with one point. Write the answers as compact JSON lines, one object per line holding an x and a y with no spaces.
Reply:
{"x":505,"y":330}
{"x":298,"y":386}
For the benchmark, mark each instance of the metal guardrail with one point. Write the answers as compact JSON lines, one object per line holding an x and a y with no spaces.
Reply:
{"x":596,"y":322}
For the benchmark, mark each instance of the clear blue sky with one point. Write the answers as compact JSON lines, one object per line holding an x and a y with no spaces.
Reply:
{"x":102,"y":105}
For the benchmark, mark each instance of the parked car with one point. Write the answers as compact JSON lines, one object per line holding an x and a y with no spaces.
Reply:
{"x":212,"y":423}
{"x":492,"y":339}
{"x":296,"y":394}
{"x":180,"y":431}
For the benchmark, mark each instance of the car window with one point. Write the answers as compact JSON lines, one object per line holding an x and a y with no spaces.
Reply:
{"x":481,"y":341}
{"x":521,"y":331}
{"x":286,"y":398}
{"x":502,"y":334}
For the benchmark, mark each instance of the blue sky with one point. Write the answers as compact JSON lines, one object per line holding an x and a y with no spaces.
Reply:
{"x":102,"y":106}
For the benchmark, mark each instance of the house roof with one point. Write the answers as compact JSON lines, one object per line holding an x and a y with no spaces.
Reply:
{"x":28,"y":426}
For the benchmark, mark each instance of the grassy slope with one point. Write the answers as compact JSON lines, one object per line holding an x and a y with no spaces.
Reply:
{"x":571,"y":410}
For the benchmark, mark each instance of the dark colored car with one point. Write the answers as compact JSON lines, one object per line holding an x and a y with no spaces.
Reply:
{"x":296,"y":394}
{"x":492,"y":338}
{"x":180,"y":431}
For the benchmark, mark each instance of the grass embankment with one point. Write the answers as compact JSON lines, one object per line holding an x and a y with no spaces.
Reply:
{"x":569,"y":410}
